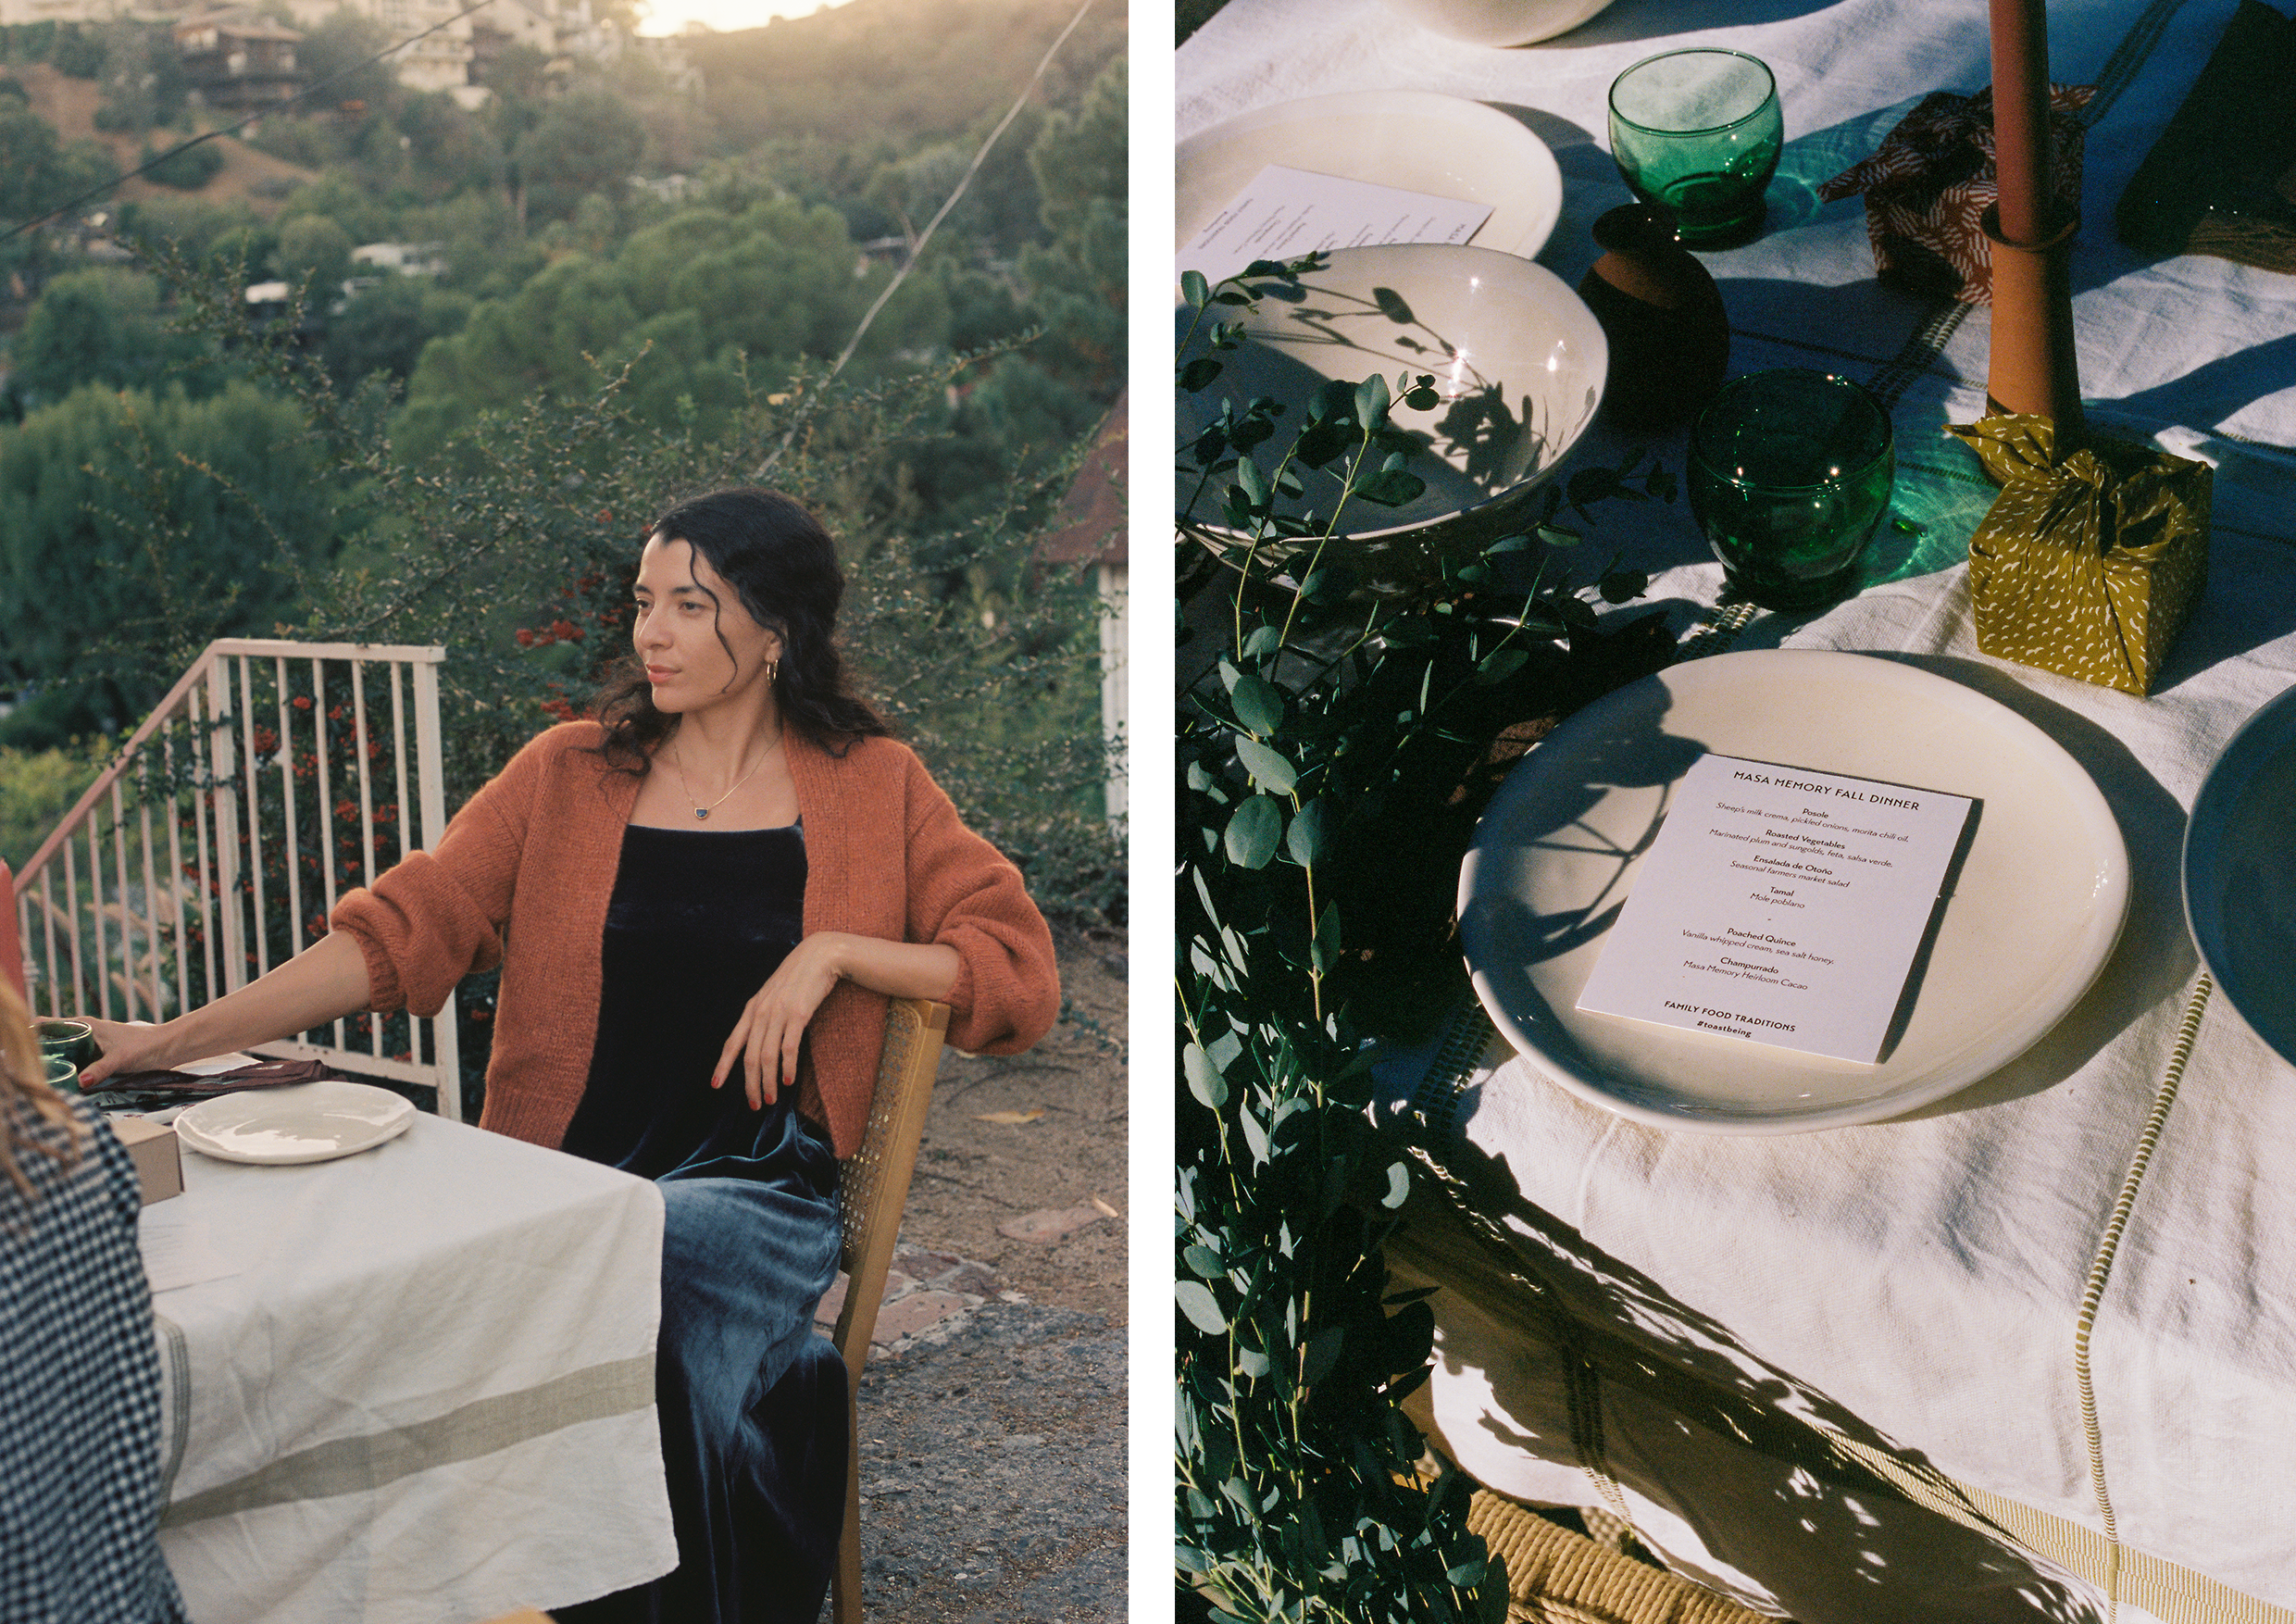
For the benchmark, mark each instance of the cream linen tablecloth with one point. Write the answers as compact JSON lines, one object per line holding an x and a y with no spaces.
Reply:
{"x":1725,"y":1333}
{"x":426,"y":1396}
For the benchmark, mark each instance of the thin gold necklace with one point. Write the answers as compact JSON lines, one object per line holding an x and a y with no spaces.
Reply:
{"x":702,"y":812}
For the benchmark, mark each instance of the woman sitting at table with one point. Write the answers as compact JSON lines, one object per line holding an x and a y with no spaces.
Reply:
{"x":80,"y":1446}
{"x":696,"y":965}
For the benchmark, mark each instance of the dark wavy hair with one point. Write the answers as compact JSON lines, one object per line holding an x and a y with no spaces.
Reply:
{"x":783,"y":567}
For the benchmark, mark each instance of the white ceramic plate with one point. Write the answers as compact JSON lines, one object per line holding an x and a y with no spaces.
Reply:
{"x":1519,"y":365}
{"x":2239,"y":874}
{"x":1417,"y":140}
{"x":2031,"y":918}
{"x":306,"y":1122}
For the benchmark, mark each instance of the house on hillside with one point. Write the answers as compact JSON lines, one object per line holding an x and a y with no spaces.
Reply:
{"x":1089,"y":533}
{"x":406,"y":258}
{"x":437,"y":61}
{"x":235,"y":59}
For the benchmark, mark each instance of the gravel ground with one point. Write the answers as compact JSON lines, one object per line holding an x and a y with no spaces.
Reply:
{"x":992,"y":1472}
{"x":992,"y":1441}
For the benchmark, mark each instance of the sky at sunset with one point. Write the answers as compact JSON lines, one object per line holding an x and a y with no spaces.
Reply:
{"x":670,"y":16}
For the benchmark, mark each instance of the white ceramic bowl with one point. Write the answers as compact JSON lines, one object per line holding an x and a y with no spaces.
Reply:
{"x":1503,"y":339}
{"x":2239,"y":874}
{"x":1412,"y":139}
{"x":1498,"y":22}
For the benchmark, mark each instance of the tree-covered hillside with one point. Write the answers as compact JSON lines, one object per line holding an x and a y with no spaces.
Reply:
{"x":658,"y":271}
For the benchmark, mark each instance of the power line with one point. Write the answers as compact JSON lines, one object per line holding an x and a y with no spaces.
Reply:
{"x":930,"y":226}
{"x":232,"y":129}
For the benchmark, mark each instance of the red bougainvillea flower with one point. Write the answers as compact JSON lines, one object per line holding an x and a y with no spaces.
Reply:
{"x":303,"y":701}
{"x":526,"y":638}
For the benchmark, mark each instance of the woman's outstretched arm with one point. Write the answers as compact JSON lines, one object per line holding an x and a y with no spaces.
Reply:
{"x":322,"y":984}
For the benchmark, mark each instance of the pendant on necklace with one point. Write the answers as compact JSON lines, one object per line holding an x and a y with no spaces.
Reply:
{"x":702,"y":812}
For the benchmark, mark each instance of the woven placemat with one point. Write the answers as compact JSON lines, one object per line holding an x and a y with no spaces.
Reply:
{"x":1558,"y":1577}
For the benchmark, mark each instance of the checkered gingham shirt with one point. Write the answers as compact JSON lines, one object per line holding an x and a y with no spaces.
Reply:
{"x":80,"y":1443}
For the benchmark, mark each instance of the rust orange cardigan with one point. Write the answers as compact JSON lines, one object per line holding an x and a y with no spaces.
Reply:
{"x":523,"y":876}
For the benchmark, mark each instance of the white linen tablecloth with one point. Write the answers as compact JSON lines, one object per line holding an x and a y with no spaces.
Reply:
{"x":426,"y":1396}
{"x":1908,"y":1291}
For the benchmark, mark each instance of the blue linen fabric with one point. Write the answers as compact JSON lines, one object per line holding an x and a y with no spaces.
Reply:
{"x":80,"y":1390}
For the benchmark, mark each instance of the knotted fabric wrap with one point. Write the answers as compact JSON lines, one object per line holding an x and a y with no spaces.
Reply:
{"x":2087,"y":565}
{"x":1933,"y":180}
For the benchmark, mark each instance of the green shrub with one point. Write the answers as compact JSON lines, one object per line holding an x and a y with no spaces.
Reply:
{"x":188,"y":169}
{"x":37,"y":787}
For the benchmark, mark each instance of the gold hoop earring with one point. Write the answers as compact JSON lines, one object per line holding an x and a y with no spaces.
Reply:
{"x":773,"y":673}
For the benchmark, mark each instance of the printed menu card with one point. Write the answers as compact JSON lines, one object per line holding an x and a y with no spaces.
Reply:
{"x":1781,"y":906}
{"x":1285,"y":213}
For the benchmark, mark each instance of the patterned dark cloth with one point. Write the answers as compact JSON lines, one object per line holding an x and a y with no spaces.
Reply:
{"x":1933,"y":180}
{"x":80,"y":1445}
{"x":752,"y":1399}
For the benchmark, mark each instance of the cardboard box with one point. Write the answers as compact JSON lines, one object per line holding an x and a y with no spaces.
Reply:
{"x":158,"y":1158}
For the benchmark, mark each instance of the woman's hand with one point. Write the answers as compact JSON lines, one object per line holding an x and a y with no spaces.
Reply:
{"x":124,"y":1047}
{"x":766,"y":1039}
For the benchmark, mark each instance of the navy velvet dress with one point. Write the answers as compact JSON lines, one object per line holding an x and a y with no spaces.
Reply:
{"x":752,"y":1399}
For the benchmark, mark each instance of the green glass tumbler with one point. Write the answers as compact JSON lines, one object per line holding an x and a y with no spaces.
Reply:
{"x":73,"y":1040}
{"x":1698,"y":132}
{"x":1790,"y":473}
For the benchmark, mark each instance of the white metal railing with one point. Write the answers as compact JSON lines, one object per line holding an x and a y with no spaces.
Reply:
{"x":264,"y":785}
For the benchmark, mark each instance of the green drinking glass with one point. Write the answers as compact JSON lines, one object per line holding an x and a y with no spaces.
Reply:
{"x":73,"y":1040}
{"x":1698,"y":132}
{"x":1790,"y":473}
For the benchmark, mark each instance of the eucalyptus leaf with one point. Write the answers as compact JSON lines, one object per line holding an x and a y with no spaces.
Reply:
{"x":1201,"y":1307}
{"x":1371,"y":399}
{"x":1253,"y":830}
{"x":1255,"y":1136}
{"x":1203,"y":1078}
{"x":1258,"y":704}
{"x":1194,"y":289}
{"x":1200,"y":373}
{"x":1268,"y":769}
{"x":1621,"y":585}
{"x":1304,"y":839}
{"x":1398,"y":1186}
{"x":1499,"y":664}
{"x":1254,"y":480}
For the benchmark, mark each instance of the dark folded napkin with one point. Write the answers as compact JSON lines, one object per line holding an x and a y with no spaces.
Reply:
{"x":1934,"y":177}
{"x":145,"y":1090}
{"x":2222,"y":178}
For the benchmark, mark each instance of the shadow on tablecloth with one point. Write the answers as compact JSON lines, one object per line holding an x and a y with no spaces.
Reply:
{"x":1588,"y":1360}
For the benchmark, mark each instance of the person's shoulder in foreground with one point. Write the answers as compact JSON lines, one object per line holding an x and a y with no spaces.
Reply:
{"x":79,"y":1404}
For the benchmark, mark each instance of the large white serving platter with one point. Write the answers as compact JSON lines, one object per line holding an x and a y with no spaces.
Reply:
{"x":2028,"y":921}
{"x":305,"y":1122}
{"x":2239,"y":874}
{"x":1417,"y":140}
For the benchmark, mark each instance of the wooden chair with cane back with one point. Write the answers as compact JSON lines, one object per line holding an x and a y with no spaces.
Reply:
{"x":872,"y":1187}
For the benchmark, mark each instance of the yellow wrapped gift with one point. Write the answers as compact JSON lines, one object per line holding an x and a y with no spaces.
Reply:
{"x":2087,"y":566}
